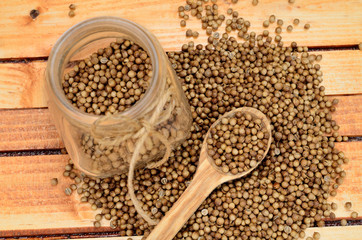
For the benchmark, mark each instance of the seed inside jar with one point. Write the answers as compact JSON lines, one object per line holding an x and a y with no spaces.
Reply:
{"x":110,"y":80}
{"x":238,"y":143}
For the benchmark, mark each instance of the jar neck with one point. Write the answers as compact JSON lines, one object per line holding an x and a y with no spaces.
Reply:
{"x":76,"y":38}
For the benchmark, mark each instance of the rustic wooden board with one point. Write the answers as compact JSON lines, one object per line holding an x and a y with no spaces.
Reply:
{"x":22,"y":84}
{"x":28,"y":129}
{"x":327,"y":233}
{"x":337,"y":233}
{"x":30,"y":205}
{"x":333,"y":23}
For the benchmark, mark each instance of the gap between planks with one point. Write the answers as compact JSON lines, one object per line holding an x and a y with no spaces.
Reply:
{"x":31,"y":206}
{"x":22,"y":84}
{"x":332,"y":22}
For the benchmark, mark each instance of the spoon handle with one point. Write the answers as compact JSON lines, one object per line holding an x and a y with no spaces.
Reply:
{"x":205,"y":181}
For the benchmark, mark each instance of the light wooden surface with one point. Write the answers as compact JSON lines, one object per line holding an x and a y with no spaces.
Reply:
{"x":22,"y":84}
{"x":28,"y":129}
{"x":32,"y":207}
{"x":336,"y":22}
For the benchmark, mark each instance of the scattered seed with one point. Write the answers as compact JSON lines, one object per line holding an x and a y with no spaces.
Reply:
{"x":34,"y":13}
{"x":68,"y":191}
{"x":316,"y":235}
{"x":54,"y":181}
{"x":71,"y":13}
{"x":307,"y":26}
{"x":272,"y":19}
{"x":183,"y":23}
{"x":72,"y":6}
{"x":354,"y":215}
{"x":343,"y":222}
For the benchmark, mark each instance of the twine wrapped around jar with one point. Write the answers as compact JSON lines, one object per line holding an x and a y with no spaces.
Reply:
{"x":138,"y":131}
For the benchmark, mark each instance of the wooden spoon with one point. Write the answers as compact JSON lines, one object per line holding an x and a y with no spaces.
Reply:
{"x":207,"y":177}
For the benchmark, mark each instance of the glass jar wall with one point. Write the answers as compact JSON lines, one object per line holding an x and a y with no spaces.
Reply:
{"x":103,"y":145}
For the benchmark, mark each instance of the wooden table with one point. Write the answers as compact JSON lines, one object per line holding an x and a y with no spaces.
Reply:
{"x":30,"y":146}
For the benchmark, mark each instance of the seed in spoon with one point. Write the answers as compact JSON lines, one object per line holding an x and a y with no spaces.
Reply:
{"x":238,"y":142}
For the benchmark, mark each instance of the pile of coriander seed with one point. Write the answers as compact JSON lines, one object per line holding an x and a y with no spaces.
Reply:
{"x":288,"y":191}
{"x":237,"y":143}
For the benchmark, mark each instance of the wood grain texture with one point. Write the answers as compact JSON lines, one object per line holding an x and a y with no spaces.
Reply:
{"x":22,"y":84}
{"x":351,"y":189}
{"x":327,"y":233}
{"x":337,"y":233}
{"x":349,"y":115}
{"x":29,"y":129}
{"x":332,"y":22}
{"x":30,"y":205}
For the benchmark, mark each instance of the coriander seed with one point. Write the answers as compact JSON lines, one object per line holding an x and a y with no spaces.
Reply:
{"x":54,"y":181}
{"x":68,"y":191}
{"x":72,"y":6}
{"x":71,"y":13}
{"x":272,"y":19}
{"x":316,"y":235}
{"x":343,"y":222}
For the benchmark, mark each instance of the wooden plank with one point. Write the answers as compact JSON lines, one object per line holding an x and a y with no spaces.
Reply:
{"x":29,"y":129}
{"x":351,"y":189}
{"x":342,"y":72}
{"x":30,"y":205}
{"x":327,"y":233}
{"x":22,"y":84}
{"x":332,"y":22}
{"x":118,"y":238}
{"x":349,"y":115}
{"x":337,"y":233}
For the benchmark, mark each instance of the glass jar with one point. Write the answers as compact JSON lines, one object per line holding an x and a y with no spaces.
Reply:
{"x":103,"y":145}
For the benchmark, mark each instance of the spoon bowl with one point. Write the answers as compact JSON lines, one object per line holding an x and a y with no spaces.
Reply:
{"x":207,"y":177}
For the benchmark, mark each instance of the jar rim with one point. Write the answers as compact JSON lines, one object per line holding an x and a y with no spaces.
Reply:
{"x":145,"y":38}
